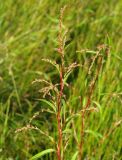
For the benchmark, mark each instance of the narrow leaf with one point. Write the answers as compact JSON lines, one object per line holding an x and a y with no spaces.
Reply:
{"x":49,"y":104}
{"x":39,"y":155}
{"x":75,"y":156}
{"x":94,"y":133}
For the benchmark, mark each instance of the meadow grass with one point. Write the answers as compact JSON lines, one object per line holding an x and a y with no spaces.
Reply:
{"x":28,"y":34}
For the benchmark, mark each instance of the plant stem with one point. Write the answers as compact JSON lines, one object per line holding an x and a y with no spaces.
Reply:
{"x":92,"y":87}
{"x":61,"y":52}
{"x":59,"y":116}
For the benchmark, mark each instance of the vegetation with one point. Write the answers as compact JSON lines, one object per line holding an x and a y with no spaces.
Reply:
{"x":60,"y":80}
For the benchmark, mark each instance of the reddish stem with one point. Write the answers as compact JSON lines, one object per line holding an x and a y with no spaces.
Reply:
{"x":59,"y":117}
{"x":61,"y":52}
{"x":87,"y":106}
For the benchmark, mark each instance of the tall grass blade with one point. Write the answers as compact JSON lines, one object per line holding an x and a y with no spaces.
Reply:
{"x":41,"y":154}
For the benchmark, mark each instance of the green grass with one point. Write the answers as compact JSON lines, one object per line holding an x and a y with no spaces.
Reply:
{"x":28,"y":33}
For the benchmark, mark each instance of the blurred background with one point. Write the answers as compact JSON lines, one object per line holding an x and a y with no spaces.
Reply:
{"x":28,"y":33}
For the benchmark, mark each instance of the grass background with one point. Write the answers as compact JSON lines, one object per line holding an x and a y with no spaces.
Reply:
{"x":28,"y":33}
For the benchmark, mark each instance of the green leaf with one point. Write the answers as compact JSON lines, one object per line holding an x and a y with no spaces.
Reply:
{"x":67,"y":75}
{"x":99,"y":108}
{"x":67,"y":131}
{"x":52,"y":19}
{"x":75,"y":156}
{"x":39,"y":155}
{"x":94,"y":133}
{"x":49,"y":104}
{"x":72,"y":117}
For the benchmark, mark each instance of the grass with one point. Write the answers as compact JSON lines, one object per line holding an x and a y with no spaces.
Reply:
{"x":28,"y":32}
